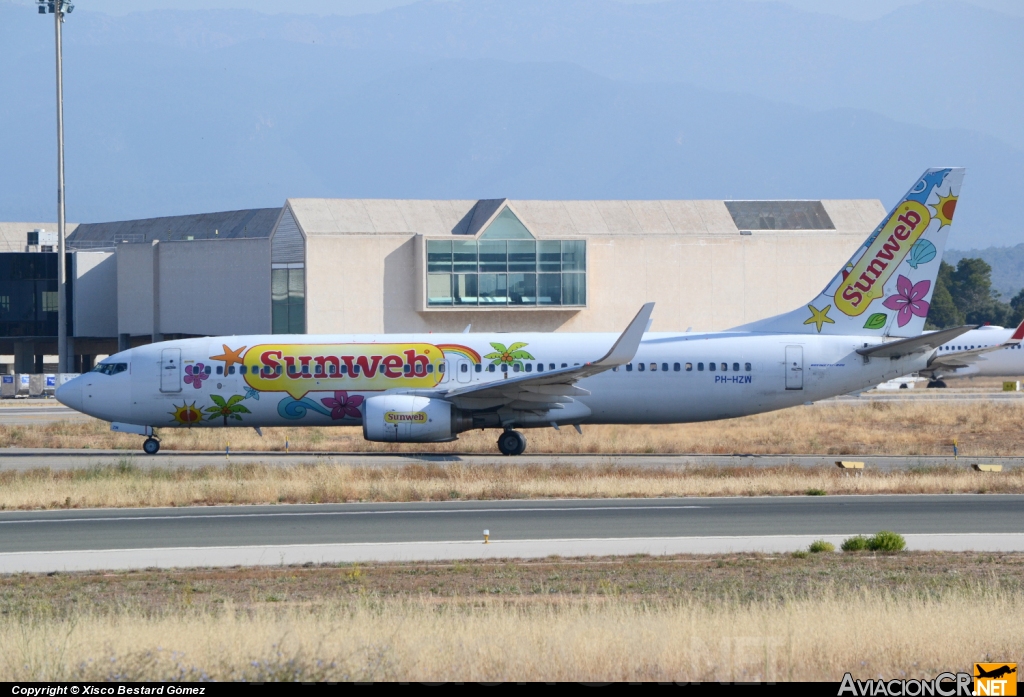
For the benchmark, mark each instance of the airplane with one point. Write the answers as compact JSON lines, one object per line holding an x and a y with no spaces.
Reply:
{"x":987,"y":351}
{"x":427,"y":388}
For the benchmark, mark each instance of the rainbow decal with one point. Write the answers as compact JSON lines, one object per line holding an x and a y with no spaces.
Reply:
{"x":460,"y":350}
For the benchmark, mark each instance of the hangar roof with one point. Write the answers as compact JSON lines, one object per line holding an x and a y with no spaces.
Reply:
{"x":323,"y":216}
{"x":253,"y":222}
{"x":14,"y":236}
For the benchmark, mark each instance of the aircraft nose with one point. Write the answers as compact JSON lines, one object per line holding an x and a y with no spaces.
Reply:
{"x":70,"y":394}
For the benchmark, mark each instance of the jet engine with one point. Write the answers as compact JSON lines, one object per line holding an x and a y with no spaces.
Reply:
{"x":401,"y":418}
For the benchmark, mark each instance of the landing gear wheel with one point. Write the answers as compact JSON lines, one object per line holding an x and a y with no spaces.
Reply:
{"x":512,"y":443}
{"x":936,"y":383}
{"x":151,"y":446}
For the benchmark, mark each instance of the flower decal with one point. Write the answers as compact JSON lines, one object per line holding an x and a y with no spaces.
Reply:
{"x":342,"y":406}
{"x":513,"y":355}
{"x":194,"y":375}
{"x":908,"y":300}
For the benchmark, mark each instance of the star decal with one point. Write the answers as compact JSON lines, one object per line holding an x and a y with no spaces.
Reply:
{"x":819,"y":317}
{"x":229,"y":357}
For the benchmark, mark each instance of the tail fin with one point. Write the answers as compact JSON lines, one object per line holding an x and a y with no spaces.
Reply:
{"x":885,"y":289}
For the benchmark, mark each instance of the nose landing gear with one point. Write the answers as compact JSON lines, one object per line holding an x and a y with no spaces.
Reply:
{"x":512,"y":443}
{"x":151,"y":446}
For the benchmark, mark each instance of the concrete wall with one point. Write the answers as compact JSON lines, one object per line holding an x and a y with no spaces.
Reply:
{"x":370,"y":283}
{"x":214,"y":287}
{"x":95,"y":293}
{"x":137,"y":274}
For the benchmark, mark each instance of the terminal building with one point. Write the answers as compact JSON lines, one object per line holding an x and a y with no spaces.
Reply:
{"x":322,"y":266}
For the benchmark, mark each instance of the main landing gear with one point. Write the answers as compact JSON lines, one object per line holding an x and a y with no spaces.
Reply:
{"x":936,"y":383}
{"x":151,"y":446}
{"x":512,"y":443}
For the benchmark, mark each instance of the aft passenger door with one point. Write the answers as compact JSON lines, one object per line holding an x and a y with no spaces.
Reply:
{"x":463,"y":371}
{"x":794,"y":367}
{"x":170,"y":370}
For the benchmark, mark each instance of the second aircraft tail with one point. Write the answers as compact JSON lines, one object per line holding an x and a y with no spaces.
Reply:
{"x":885,"y":289}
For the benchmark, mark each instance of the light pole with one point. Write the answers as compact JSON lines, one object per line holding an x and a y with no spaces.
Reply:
{"x":59,"y":8}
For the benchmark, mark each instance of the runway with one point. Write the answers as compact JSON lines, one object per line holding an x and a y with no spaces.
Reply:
{"x":218,"y":536}
{"x":23,"y":459}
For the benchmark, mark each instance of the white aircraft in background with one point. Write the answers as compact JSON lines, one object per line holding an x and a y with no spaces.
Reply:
{"x":983,"y":352}
{"x":864,"y":328}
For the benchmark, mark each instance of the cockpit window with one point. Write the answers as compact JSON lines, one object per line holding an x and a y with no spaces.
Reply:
{"x":110,"y":368}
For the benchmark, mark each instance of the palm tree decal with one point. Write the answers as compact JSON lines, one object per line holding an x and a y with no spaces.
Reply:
{"x":227,"y":410}
{"x":513,"y":355}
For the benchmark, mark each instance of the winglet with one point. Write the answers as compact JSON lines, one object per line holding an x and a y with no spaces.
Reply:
{"x":624,"y":348}
{"x":1017,"y":335}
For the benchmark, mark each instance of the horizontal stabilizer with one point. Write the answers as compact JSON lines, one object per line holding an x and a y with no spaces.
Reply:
{"x":915,"y":344}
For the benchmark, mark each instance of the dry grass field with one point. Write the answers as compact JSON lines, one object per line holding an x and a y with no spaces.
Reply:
{"x":749,"y":618}
{"x":878,"y":427}
{"x":126,"y":485}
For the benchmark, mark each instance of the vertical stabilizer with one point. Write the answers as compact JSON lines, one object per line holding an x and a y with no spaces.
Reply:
{"x":886,"y":288}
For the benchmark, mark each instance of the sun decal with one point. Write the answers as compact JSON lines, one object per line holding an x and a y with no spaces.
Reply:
{"x":944,"y":209}
{"x":187,"y":414}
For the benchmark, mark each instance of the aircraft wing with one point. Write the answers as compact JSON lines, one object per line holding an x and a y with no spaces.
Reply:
{"x":915,"y":344}
{"x":962,"y":359}
{"x":540,"y":392}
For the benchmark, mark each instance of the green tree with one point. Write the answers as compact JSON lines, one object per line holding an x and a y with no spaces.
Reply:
{"x":964,"y":295}
{"x":943,"y":311}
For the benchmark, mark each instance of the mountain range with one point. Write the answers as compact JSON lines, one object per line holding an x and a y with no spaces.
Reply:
{"x":171,"y":112}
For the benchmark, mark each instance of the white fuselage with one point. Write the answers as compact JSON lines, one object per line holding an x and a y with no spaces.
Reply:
{"x":1004,"y":362}
{"x":752,"y":373}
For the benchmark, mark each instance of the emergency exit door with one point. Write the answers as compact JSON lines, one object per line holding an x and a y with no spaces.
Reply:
{"x":794,"y":367}
{"x":170,"y":370}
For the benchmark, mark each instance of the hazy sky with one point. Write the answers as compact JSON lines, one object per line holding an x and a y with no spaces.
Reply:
{"x":858,"y":9}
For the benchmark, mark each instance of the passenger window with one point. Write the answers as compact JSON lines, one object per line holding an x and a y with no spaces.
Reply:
{"x":206,"y":370}
{"x":565,"y":365}
{"x":278,"y":370}
{"x":540,"y":367}
{"x":725,"y":366}
{"x":355,"y":370}
{"x":736,"y":367}
{"x":440,"y":368}
{"x":551,"y":366}
{"x":291,"y":370}
{"x":711,"y":366}
{"x":529,"y":367}
{"x":664,"y":366}
{"x":689,"y":367}
{"x":242,"y":369}
{"x":746,"y":366}
{"x":654,"y":367}
{"x":700,"y":366}
{"x":675,"y":367}
{"x":490,"y":368}
{"x":478,"y":368}
{"x":515,"y":368}
{"x":231,"y":370}
{"x":344,"y":370}
{"x":640,"y":367}
{"x":615,"y":368}
{"x":504,"y":367}
{"x":463,"y":368}
{"x":629,"y":367}
{"x":407,"y":369}
{"x":220,"y":370}
{"x":430,"y":367}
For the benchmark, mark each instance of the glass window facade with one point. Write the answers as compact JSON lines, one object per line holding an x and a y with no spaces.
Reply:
{"x":28,"y":294}
{"x":288,"y":301}
{"x":506,"y":272}
{"x":779,"y":215}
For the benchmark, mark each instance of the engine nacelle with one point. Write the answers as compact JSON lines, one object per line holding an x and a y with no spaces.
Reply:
{"x":402,"y":418}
